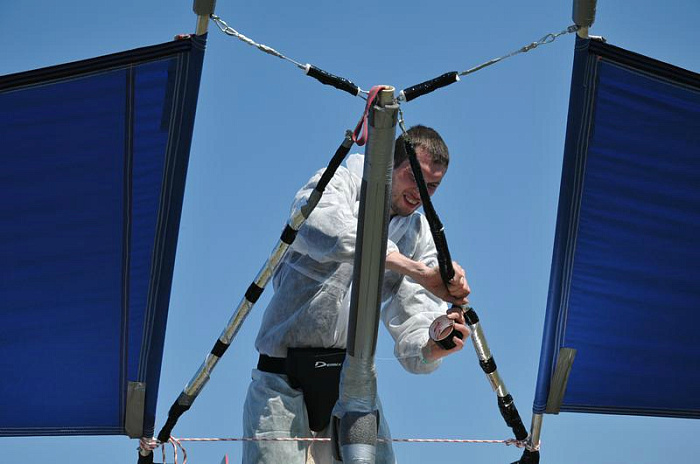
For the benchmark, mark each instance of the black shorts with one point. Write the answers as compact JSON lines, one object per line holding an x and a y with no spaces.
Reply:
{"x":314,"y":371}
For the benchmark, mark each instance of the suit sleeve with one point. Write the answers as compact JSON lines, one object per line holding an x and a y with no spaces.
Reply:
{"x":411,"y":309}
{"x":330,"y":232}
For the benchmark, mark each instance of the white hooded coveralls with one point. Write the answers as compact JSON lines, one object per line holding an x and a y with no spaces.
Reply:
{"x":310,"y":307}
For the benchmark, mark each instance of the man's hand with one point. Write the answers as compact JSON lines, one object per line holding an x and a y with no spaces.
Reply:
{"x":454,"y":292}
{"x":432,"y":351}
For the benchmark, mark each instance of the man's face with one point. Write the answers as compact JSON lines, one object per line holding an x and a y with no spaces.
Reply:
{"x":405,"y":198}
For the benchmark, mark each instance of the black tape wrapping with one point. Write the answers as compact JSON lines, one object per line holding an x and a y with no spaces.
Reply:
{"x":428,"y":86}
{"x":288,"y":235}
{"x":327,"y":78}
{"x":512,"y":417}
{"x":176,"y":410}
{"x":219,"y":348}
{"x":529,"y":457}
{"x":253,"y":292}
{"x":447,"y":272}
{"x":447,"y":343}
{"x":488,"y":366}
{"x":470,"y":316}
{"x":147,"y":459}
{"x":334,"y":164}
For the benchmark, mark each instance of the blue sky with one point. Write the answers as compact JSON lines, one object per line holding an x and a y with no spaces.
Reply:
{"x":262,"y":128}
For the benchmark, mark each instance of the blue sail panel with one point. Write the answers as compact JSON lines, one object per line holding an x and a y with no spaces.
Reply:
{"x":624,"y":287}
{"x":92,"y":172}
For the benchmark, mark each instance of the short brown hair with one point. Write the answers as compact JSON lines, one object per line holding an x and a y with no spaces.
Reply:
{"x":426,"y":137}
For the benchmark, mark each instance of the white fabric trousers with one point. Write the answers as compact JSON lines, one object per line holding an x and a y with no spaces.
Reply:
{"x":273,"y":409}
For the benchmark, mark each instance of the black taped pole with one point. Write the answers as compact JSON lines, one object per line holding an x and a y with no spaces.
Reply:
{"x":252,"y":294}
{"x":423,"y":88}
{"x":529,"y":457}
{"x":324,"y":77}
{"x":145,"y":457}
{"x":506,"y":404}
{"x":356,"y":420}
{"x":203,"y":9}
{"x":447,"y":271}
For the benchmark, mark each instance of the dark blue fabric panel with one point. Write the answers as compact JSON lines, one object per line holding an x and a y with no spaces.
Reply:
{"x":61,"y":180}
{"x":580,"y":115}
{"x":632,"y":311}
{"x":93,"y":163}
{"x":183,"y":105}
{"x":626,"y":262}
{"x":150,"y":138}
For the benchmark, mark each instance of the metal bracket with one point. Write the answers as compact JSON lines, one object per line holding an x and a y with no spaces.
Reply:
{"x":559,"y":380}
{"x":135,"y":407}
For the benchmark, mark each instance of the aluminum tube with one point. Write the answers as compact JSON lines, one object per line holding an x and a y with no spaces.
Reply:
{"x":201,"y":377}
{"x":497,"y":384}
{"x":298,"y":218}
{"x":535,"y":431}
{"x":356,"y":407}
{"x":203,"y":9}
{"x":202,"y":25}
{"x":234,"y":324}
{"x":481,"y":346}
{"x":583,"y":13}
{"x":372,"y":228}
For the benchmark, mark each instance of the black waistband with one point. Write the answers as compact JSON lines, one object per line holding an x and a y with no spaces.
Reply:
{"x":272,"y":365}
{"x":281,"y":365}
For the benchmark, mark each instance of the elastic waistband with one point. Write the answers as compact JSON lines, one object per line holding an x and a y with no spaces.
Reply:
{"x":295,"y":357}
{"x":272,"y":365}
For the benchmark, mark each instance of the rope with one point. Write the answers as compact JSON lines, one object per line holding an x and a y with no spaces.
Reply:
{"x":176,"y":443}
{"x":507,"y":442}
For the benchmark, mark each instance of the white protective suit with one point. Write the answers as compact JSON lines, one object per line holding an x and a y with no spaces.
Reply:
{"x":310,"y":309}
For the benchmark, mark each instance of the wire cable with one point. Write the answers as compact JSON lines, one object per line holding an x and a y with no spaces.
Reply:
{"x":310,"y":70}
{"x":446,"y":79}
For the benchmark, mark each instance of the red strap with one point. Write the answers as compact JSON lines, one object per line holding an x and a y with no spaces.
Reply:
{"x":362,"y":124}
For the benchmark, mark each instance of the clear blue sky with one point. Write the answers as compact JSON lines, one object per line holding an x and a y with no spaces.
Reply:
{"x":262,"y":128}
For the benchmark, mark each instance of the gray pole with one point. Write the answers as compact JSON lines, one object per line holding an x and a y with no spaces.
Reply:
{"x":203,"y":9}
{"x":583,"y":14}
{"x":355,"y":415}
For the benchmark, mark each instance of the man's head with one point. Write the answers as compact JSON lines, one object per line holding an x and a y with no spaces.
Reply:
{"x":433,"y":157}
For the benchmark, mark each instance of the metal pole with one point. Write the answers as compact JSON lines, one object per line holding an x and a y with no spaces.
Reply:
{"x":535,"y":430}
{"x":355,"y":420}
{"x":583,"y":15}
{"x":203,"y":9}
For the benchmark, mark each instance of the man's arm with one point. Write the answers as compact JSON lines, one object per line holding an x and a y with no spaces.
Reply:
{"x":330,"y":232}
{"x":429,"y":278}
{"x":417,"y":303}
